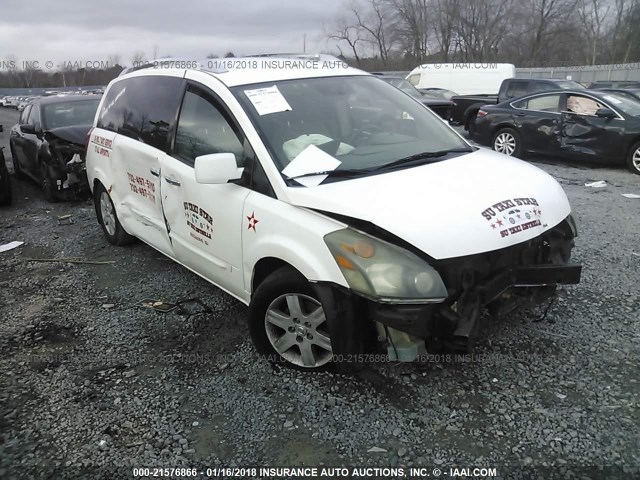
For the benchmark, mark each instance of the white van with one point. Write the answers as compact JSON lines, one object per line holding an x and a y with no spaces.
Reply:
{"x":341,"y":210}
{"x":462,"y":78}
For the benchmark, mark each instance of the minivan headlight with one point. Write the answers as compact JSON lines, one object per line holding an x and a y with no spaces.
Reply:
{"x":383,"y":271}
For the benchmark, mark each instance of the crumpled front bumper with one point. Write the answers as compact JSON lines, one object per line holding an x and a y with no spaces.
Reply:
{"x":456,"y":324}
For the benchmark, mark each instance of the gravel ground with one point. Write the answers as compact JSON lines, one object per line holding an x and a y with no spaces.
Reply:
{"x":92,"y":385}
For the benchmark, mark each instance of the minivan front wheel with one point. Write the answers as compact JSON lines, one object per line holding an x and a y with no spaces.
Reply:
{"x":108,"y":218}
{"x":507,"y":141}
{"x":287,"y":322}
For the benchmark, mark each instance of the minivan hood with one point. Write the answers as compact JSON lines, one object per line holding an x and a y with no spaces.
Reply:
{"x":474,"y":203}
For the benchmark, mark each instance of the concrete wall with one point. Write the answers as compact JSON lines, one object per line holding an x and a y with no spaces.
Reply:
{"x":579,"y":73}
{"x":585,"y":74}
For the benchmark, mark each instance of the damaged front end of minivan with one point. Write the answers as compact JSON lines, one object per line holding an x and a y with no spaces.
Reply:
{"x":66,"y":170}
{"x":416,"y":310}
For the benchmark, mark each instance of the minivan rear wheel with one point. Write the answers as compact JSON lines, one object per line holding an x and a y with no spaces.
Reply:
{"x":108,"y":218}
{"x":288,"y":323}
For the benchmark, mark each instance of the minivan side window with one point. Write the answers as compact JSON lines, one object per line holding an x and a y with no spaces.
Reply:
{"x":203,"y":129}
{"x":143,"y":108}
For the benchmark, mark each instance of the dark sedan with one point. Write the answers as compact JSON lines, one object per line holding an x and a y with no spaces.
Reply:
{"x":632,"y":93}
{"x":439,"y":106}
{"x":576,"y":124}
{"x":48,"y":143}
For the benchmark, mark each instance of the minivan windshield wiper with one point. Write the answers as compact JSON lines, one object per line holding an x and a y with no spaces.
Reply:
{"x":420,"y":157}
{"x":347,"y":172}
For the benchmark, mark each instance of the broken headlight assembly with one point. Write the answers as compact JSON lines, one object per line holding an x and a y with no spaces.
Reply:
{"x":382,"y":271}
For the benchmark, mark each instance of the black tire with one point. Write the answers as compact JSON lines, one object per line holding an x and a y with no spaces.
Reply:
{"x":509,"y":142}
{"x":46,"y":183}
{"x":113,"y":229}
{"x":301,"y":335}
{"x":633,"y":159}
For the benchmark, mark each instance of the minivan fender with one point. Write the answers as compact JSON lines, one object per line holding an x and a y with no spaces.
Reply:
{"x":307,"y":258}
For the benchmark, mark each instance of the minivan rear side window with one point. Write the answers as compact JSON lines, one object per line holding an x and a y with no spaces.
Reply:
{"x":143,"y":108}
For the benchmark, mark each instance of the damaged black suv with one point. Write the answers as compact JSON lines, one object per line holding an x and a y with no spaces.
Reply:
{"x":48,"y":144}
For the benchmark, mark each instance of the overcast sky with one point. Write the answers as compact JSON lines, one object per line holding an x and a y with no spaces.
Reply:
{"x":80,"y":30}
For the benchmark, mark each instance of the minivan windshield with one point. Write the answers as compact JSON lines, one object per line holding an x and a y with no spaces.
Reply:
{"x":364,"y":123}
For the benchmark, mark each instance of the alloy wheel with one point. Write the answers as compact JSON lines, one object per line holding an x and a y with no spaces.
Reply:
{"x":296,"y":327}
{"x":505,"y":143}
{"x":107,"y":213}
{"x":635,"y":160}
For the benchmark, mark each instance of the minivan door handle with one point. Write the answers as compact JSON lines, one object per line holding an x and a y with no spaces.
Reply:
{"x":155,"y":172}
{"x":171,"y":181}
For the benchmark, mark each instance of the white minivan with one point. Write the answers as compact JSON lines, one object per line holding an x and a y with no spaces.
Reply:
{"x":341,"y":210}
{"x":463,"y":78}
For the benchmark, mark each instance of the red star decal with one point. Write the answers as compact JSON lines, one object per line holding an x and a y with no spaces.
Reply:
{"x":252,"y":222}
{"x":519,"y":216}
{"x":499,"y":223}
{"x":493,"y":225}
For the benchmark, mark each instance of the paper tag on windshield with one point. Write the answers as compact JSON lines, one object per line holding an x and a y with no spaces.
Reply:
{"x":310,"y":160}
{"x":268,"y":100}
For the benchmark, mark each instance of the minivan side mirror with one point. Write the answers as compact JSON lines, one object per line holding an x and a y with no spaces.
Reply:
{"x":28,"y":128}
{"x":216,"y":168}
{"x":605,"y":113}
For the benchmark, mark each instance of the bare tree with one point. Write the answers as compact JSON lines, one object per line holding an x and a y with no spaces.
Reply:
{"x":114,"y":60}
{"x":412,"y":26}
{"x":546,"y":17}
{"x":345,"y":32}
{"x":447,"y":14}
{"x":480,"y":30}
{"x":373,"y":19}
{"x":593,"y":14}
{"x":137,"y":58}
{"x":229,"y":55}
